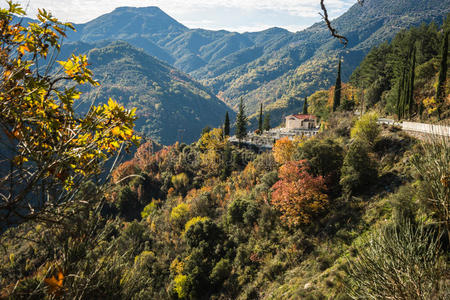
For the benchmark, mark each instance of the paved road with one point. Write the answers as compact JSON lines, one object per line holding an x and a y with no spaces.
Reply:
{"x":419,"y":127}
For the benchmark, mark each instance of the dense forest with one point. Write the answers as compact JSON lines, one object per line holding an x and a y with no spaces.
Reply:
{"x":359,"y":211}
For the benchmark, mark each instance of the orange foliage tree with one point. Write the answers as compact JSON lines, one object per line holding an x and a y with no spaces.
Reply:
{"x":298,"y":195}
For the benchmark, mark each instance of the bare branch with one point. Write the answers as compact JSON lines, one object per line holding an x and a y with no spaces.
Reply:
{"x":333,"y":30}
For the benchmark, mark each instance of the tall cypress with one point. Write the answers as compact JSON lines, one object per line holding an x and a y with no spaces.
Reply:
{"x":266,"y":125}
{"x":305,"y":106}
{"x":226,"y":125}
{"x":241,"y":122}
{"x":337,"y":89}
{"x":440,"y":91}
{"x":226,"y":168}
{"x":260,"y":120}
{"x":400,"y":94}
{"x":412,"y":75}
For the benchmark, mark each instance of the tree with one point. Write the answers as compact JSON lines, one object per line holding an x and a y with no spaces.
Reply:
{"x":47,"y":147}
{"x":325,"y":158}
{"x":226,"y":125}
{"x":260,"y":120}
{"x":305,"y":106}
{"x":284,"y":150}
{"x":366,"y":128}
{"x":337,"y":89}
{"x":358,"y":169}
{"x":412,"y":75}
{"x":440,"y":90}
{"x":298,"y":195}
{"x":241,"y":122}
{"x":226,"y":167}
{"x":266,"y":124}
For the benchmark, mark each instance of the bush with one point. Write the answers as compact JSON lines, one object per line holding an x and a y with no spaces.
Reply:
{"x":358,"y":169}
{"x":366,"y":128}
{"x":180,"y":213}
{"x":242,"y":211}
{"x":220,"y":272}
{"x":400,"y":261}
{"x":325,"y":158}
{"x":432,"y":165}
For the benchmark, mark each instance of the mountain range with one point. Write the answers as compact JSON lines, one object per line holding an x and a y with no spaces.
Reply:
{"x":275,"y":67}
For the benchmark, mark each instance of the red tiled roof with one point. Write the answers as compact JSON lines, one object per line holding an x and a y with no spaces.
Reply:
{"x":303,"y":117}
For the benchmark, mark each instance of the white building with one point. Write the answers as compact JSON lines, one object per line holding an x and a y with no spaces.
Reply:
{"x":301,"y":122}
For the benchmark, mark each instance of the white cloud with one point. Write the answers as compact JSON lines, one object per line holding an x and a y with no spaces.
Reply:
{"x":210,"y":14}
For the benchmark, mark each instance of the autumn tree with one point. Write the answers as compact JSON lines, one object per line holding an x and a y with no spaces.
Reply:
{"x":298,"y":195}
{"x":284,"y":150}
{"x":212,"y":145}
{"x":47,"y":147}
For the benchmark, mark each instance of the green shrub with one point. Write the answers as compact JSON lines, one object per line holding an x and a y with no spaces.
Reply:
{"x":358,"y":169}
{"x":400,"y":261}
{"x":366,"y":128}
{"x":149,"y":209}
{"x":242,"y":211}
{"x":220,"y":272}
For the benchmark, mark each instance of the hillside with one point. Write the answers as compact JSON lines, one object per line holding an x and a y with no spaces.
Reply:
{"x":266,"y":66}
{"x":357,"y":211}
{"x":171,"y":106}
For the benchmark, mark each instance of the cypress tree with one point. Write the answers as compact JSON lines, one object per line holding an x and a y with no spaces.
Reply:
{"x":260,"y":120}
{"x":337,"y":89}
{"x":400,"y":94}
{"x":226,"y":125}
{"x":411,"y":84}
{"x":305,"y":106}
{"x":241,"y":123}
{"x":266,"y":125}
{"x":440,"y":91}
{"x":226,"y":168}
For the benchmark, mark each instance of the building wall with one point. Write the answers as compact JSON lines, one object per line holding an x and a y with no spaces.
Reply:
{"x":294,"y":123}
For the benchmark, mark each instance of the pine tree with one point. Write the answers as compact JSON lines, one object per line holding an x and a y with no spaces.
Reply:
{"x":266,"y":125}
{"x":440,"y":91}
{"x":305,"y":106}
{"x":260,"y":120}
{"x":226,"y":125}
{"x":241,"y":123}
{"x":337,"y":89}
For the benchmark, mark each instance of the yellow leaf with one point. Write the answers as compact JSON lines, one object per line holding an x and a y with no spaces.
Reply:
{"x":18,"y":160}
{"x":116,"y":131}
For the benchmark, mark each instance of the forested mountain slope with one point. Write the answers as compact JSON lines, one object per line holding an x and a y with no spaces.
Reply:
{"x":265,"y":66}
{"x":171,"y":106}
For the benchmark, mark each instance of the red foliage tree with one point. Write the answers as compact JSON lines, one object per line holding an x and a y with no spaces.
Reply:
{"x":298,"y":195}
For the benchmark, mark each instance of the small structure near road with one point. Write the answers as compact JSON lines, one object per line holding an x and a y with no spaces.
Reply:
{"x":296,"y":126}
{"x":301,"y":122}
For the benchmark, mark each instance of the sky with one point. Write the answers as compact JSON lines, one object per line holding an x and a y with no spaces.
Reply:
{"x":232,"y":15}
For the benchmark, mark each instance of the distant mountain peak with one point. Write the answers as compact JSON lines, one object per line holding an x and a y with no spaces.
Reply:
{"x":140,"y":10}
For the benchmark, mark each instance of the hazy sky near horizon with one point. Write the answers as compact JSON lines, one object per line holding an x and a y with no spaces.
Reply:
{"x":233,"y":15}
